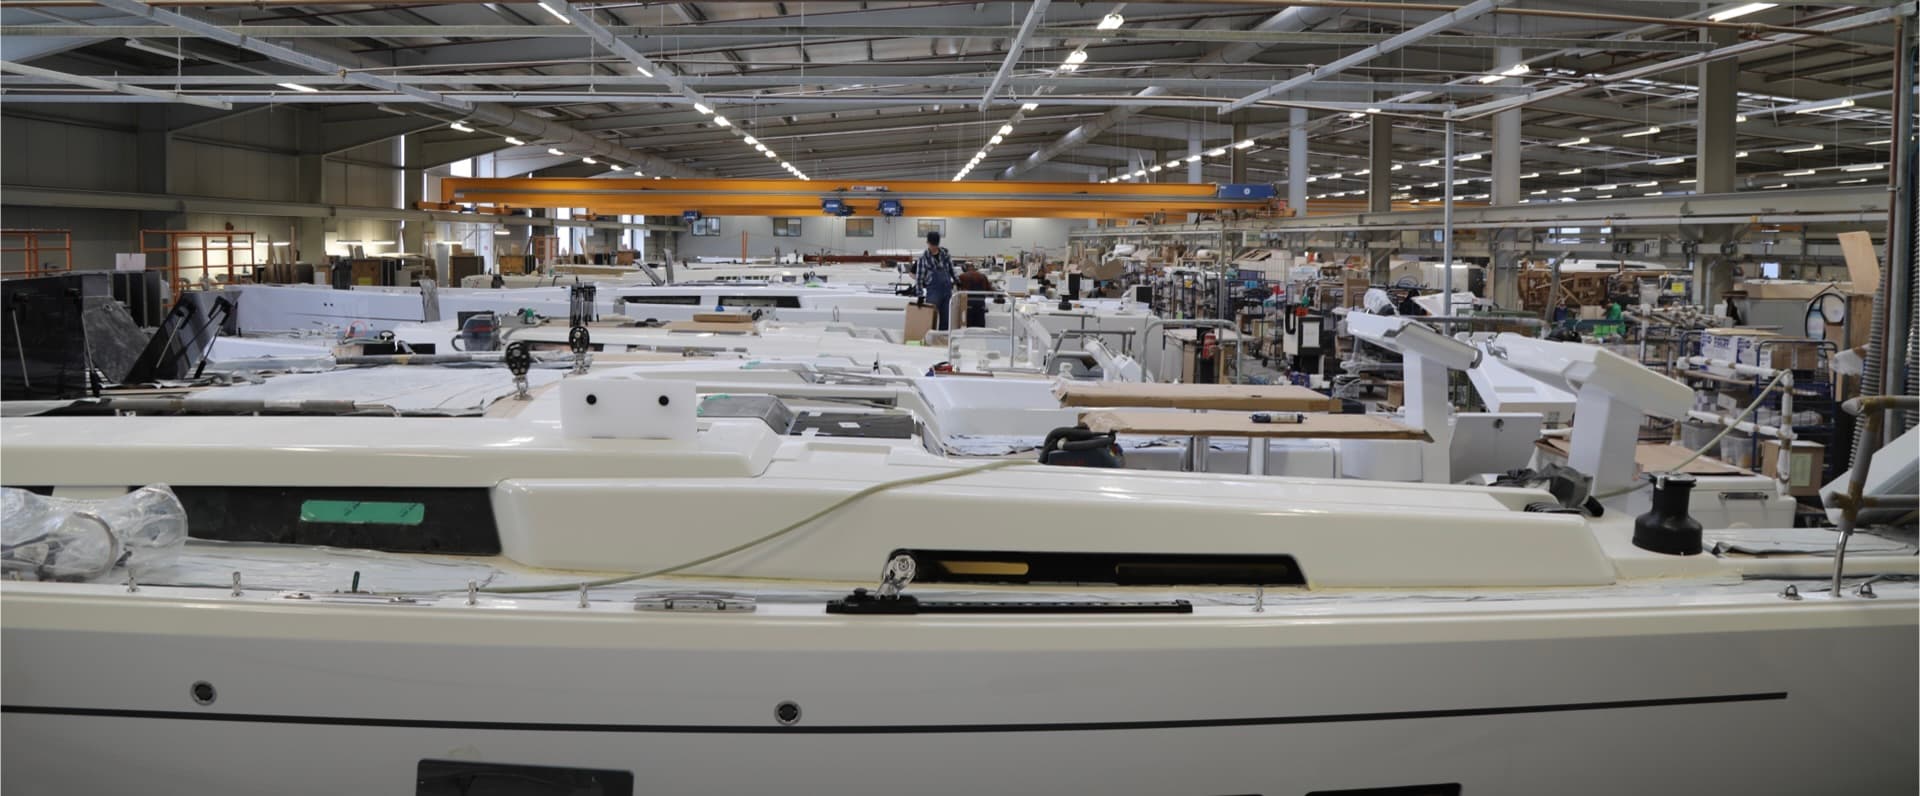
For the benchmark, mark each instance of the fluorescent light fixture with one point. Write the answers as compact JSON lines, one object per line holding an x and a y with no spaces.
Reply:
{"x":1800,"y":173}
{"x":643,"y":71}
{"x":980,"y":154}
{"x":1174,"y":163}
{"x":1512,"y":71}
{"x":616,"y":167}
{"x":996,"y":139}
{"x":590,"y":161}
{"x":1398,"y":166}
{"x":1155,"y":168}
{"x":1077,"y":57}
{"x":1581,"y":141}
{"x":758,"y":147}
{"x":1110,"y":21}
{"x":786,"y":165}
{"x":1363,"y":172}
{"x":380,"y":242}
{"x":1529,"y":175}
{"x":290,"y":243}
{"x":1462,"y":182}
{"x":1807,"y":148}
{"x":556,"y":15}
{"x":1740,"y":119}
{"x":767,"y":152}
{"x":1244,"y":144}
{"x":1688,"y":182}
{"x":1571,"y":190}
{"x":1373,"y":110}
{"x":515,"y":141}
{"x":751,"y":141}
{"x":1030,"y":107}
{"x":298,"y":87}
{"x":721,"y":121}
{"x":501,"y":231}
{"x":1647,"y":184}
{"x":1570,"y":172}
{"x":1741,"y":10}
{"x":1741,"y":154}
{"x":1336,"y":175}
{"x":1539,"y":192}
{"x":1313,"y":179}
{"x":1669,"y":161}
{"x":1006,"y":129}
{"x":1842,"y":182}
{"x":1216,"y":152}
{"x":1468,"y":158}
{"x":1771,"y":187}
{"x":1826,"y":106}
{"x":1881,"y":142}
{"x":1140,"y":173}
{"x":555,"y":152}
{"x":1193,"y":158}
{"x":1638,"y":133}
{"x":148,"y":48}
{"x":461,"y":127}
{"x":704,"y":110}
{"x":1431,"y":185}
{"x":1864,"y":167}
{"x":1607,"y":187}
{"x":1604,"y":196}
{"x":1355,"y":115}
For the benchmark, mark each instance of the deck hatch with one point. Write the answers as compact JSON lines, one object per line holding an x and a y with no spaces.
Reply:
{"x":1119,"y":569}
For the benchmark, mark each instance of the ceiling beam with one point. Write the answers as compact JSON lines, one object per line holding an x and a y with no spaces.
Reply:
{"x":1035,"y":12}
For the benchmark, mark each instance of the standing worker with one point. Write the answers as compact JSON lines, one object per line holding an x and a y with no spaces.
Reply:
{"x":934,"y":274}
{"x":973,"y":280}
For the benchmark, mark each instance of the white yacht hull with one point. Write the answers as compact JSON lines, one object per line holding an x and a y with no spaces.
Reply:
{"x":1744,"y":693}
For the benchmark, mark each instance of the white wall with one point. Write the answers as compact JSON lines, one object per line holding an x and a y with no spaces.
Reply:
{"x":963,"y":236}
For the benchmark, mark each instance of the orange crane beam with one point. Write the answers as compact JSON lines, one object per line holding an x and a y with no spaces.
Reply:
{"x":922,"y":198}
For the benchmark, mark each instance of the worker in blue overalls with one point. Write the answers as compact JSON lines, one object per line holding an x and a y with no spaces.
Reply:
{"x":934,"y":276}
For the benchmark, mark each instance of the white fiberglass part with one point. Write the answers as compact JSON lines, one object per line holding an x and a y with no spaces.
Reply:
{"x":50,"y":538}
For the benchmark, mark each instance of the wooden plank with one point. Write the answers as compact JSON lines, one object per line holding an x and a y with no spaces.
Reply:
{"x":723,"y":317}
{"x":1270,"y":398}
{"x":1239,"y":424}
{"x":1863,"y":263}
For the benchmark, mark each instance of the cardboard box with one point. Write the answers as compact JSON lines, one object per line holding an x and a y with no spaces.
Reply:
{"x":1805,"y":464}
{"x":1787,"y":356}
{"x":919,"y":321}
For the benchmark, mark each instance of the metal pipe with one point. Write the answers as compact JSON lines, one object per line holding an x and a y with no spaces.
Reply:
{"x":1458,"y":16}
{"x":1035,"y":12}
{"x":1446,"y":226}
{"x":108,"y":85}
{"x":1874,"y":407}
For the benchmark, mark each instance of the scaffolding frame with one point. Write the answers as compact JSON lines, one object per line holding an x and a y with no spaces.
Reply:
{"x":29,"y":245}
{"x":173,"y":243}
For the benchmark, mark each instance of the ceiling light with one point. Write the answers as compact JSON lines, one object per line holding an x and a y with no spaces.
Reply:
{"x":1110,"y":21}
{"x":1742,"y":10}
{"x":1771,"y":187}
{"x":786,"y":165}
{"x":1077,"y":57}
{"x":1800,"y":173}
{"x":1363,"y":172}
{"x":1336,"y":175}
{"x":1741,"y":154}
{"x":1462,"y":182}
{"x":1881,"y":142}
{"x":616,"y":167}
{"x":1245,"y":144}
{"x":1581,"y":141}
{"x":1529,"y":175}
{"x":1216,"y":152}
{"x":1608,"y":187}
{"x":515,"y":141}
{"x":1826,"y":106}
{"x":1539,"y":192}
{"x":556,"y":14}
{"x":148,"y":48}
{"x":1006,"y":129}
{"x":1140,"y":173}
{"x":1174,"y":163}
{"x":555,"y":152}
{"x":1193,"y":158}
{"x":1571,"y":190}
{"x":1029,"y":107}
{"x":1604,"y":196}
{"x":1398,"y":166}
{"x":1570,"y":171}
{"x":1638,"y":133}
{"x":1512,"y":71}
{"x":1468,"y":158}
{"x":1373,"y":110}
{"x":1864,"y":167}
{"x":590,"y":161}
{"x":1807,"y":148}
{"x":1155,"y":168}
{"x":996,"y":139}
{"x":767,"y":152}
{"x":980,"y":154}
{"x":721,"y":121}
{"x":1313,"y":179}
{"x":643,"y":71}
{"x":758,"y":147}
{"x":751,"y":141}
{"x":1355,"y":115}
{"x":704,"y":110}
{"x":1647,"y":184}
{"x":1669,"y":161}
{"x":461,"y":127}
{"x":1688,"y":182}
{"x":1740,"y":119}
{"x":298,"y":87}
{"x":1851,"y":182}
{"x":1431,"y":185}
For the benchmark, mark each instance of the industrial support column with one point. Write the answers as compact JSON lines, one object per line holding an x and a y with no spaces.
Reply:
{"x":413,"y":234}
{"x":1379,"y":189}
{"x":1296,"y":161}
{"x":1193,"y":154}
{"x":1238,"y":170}
{"x":310,"y":234}
{"x":1503,"y":278}
{"x":1715,"y":153}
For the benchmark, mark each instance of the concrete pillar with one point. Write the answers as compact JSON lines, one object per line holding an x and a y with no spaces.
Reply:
{"x":1503,"y":279}
{"x":1297,"y":161}
{"x":1379,"y":164}
{"x":1715,"y":160}
{"x":413,"y":175}
{"x":1194,"y":171}
{"x":151,"y":144}
{"x":1238,"y":165}
{"x":1160,"y":162}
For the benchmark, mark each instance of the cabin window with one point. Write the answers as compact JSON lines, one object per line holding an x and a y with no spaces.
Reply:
{"x":469,"y":777}
{"x":686,"y":301}
{"x":1118,"y":569}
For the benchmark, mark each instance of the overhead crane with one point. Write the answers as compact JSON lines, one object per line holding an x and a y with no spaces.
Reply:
{"x":921,"y":198}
